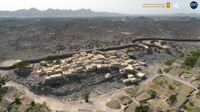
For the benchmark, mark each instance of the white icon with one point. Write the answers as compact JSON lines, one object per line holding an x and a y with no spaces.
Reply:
{"x":175,"y":5}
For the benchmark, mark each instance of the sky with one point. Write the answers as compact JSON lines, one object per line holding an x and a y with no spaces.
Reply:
{"x":120,"y":6}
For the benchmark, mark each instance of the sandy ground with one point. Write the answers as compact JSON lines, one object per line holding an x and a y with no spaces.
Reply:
{"x":65,"y":105}
{"x":97,"y":102}
{"x":8,"y":62}
{"x":52,"y":103}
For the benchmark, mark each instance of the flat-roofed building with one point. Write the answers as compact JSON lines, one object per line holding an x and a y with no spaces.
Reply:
{"x":129,"y":80}
{"x":83,"y":53}
{"x":125,"y":57}
{"x":113,"y":52}
{"x":86,"y":62}
{"x":65,"y":67}
{"x":66,"y":73}
{"x":129,"y":68}
{"x":98,"y":61}
{"x":99,"y":57}
{"x":138,"y":67}
{"x":106,"y":62}
{"x":129,"y":61}
{"x":58,"y":70}
{"x":53,"y":77}
{"x":140,"y":74}
{"x":99,"y":66}
{"x":79,"y":69}
{"x":124,"y":64}
{"x":49,"y":73}
{"x":130,"y":76}
{"x":113,"y":57}
{"x":115,"y":64}
{"x":91,"y":67}
{"x":68,"y":60}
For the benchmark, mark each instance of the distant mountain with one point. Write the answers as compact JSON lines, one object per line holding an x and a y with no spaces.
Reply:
{"x":56,"y":13}
{"x":186,"y":15}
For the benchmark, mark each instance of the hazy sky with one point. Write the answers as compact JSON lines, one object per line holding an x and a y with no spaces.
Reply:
{"x":121,"y":6}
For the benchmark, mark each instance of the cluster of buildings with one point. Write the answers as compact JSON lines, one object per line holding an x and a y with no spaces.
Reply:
{"x":156,"y":43}
{"x":98,"y":61}
{"x":95,"y":61}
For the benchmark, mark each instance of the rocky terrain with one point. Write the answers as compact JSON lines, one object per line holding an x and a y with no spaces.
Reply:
{"x":22,"y":38}
{"x":92,"y":82}
{"x":171,"y":74}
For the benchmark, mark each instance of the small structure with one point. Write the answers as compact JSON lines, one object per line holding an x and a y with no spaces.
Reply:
{"x":129,"y":80}
{"x":130,"y":76}
{"x":140,"y":75}
{"x":108,"y":75}
{"x":53,"y":77}
{"x":91,"y":67}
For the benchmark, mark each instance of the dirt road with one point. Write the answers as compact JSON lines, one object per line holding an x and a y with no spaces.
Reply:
{"x":62,"y":104}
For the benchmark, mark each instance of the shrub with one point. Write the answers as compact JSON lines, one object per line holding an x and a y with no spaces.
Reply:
{"x":142,"y":108}
{"x":172,"y":87}
{"x":125,"y":100}
{"x":191,"y":103}
{"x":114,"y":104}
{"x":13,"y":107}
{"x":131,"y":107}
{"x":3,"y":91}
{"x":167,"y":69}
{"x":20,"y":64}
{"x":160,"y":80}
{"x":86,"y":97}
{"x":100,"y":111}
{"x":160,"y":71}
{"x":191,"y":59}
{"x":198,"y":95}
{"x":131,"y":91}
{"x":17,"y":101}
{"x":172,"y":99}
{"x":3,"y":80}
{"x":169,"y":62}
{"x":36,"y":107}
{"x":152,"y":93}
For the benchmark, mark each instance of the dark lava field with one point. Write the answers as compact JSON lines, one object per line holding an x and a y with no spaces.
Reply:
{"x":24,"y":38}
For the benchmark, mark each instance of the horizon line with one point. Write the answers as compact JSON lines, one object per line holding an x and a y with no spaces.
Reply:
{"x":97,"y":11}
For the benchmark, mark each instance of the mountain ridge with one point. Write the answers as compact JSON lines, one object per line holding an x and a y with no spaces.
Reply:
{"x":33,"y":12}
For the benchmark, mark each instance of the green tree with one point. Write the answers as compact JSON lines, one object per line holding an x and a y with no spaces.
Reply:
{"x":86,"y":97}
{"x":160,"y":71}
{"x":172,"y":99}
{"x":3,"y":80}
{"x":36,"y":107}
{"x":198,"y":94}
{"x":142,"y":108}
{"x":13,"y":107}
{"x":152,"y":93}
{"x":17,"y":101}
